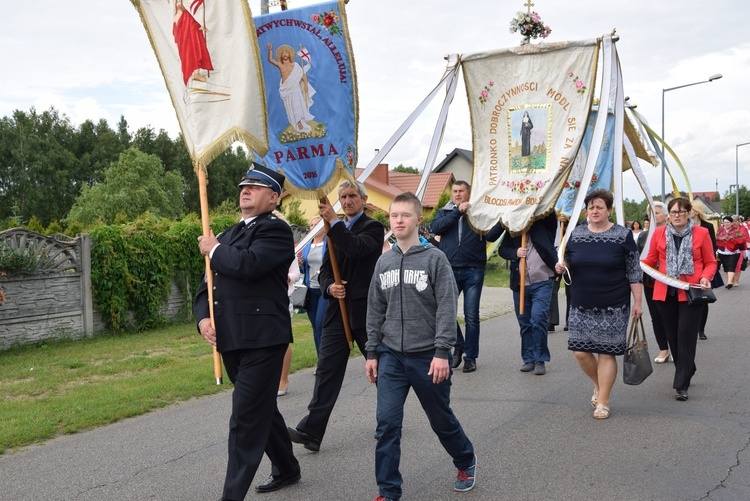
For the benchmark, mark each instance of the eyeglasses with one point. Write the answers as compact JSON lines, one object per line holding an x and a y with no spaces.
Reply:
{"x":678,"y":212}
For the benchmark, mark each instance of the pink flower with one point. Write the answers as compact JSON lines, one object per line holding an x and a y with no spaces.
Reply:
{"x":492,"y":83}
{"x":579,"y":84}
{"x":485,"y":94}
{"x":539,"y":184}
{"x":315,"y":18}
{"x":570,"y":73}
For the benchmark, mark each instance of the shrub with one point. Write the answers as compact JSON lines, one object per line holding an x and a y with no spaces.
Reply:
{"x":17,"y":261}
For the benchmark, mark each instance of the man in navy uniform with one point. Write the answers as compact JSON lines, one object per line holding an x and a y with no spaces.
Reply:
{"x":250,"y":262}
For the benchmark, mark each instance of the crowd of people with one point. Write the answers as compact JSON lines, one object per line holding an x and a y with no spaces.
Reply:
{"x":398,"y":303}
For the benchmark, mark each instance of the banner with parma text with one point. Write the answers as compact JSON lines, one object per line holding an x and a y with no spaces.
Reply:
{"x":208,"y":55}
{"x":529,"y":107}
{"x":311,"y":94}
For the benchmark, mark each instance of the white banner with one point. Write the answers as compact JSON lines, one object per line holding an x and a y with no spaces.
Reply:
{"x":529,"y":106}
{"x":208,"y":54}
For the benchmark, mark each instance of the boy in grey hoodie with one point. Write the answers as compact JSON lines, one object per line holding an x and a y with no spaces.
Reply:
{"x":411,"y":328}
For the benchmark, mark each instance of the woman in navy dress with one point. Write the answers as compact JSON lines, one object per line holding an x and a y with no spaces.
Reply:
{"x":602,"y":258}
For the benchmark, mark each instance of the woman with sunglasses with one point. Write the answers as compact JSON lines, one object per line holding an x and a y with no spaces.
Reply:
{"x":682,"y":250}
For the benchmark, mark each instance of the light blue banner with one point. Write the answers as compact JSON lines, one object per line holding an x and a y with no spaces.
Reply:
{"x":602,"y":171}
{"x":311,"y":93}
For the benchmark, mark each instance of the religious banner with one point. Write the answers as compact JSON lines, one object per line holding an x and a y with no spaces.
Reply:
{"x":529,"y":107}
{"x":311,"y":95}
{"x":603,"y":173}
{"x":208,"y":54}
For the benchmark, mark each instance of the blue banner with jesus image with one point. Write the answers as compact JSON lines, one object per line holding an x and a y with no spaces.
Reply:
{"x":311,"y":95}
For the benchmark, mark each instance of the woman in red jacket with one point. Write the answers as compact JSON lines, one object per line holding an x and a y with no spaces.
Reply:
{"x":683,"y":251}
{"x":729,"y":240}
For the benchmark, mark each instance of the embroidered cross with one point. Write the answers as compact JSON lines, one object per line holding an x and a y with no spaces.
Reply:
{"x":528,"y":5}
{"x":303,"y":54}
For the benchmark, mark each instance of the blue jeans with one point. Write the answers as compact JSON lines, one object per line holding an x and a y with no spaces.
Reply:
{"x":533,"y":322}
{"x":397,"y":372}
{"x":315,"y":312}
{"x":469,"y":281}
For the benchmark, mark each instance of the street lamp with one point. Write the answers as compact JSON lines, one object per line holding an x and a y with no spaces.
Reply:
{"x":737,"y":177}
{"x":664,"y":91}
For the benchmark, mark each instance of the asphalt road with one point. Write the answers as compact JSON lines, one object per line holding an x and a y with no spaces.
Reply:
{"x":534,"y":435}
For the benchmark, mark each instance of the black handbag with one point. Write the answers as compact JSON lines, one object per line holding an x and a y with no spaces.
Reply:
{"x":697,"y":296}
{"x":301,"y":296}
{"x":636,"y":365}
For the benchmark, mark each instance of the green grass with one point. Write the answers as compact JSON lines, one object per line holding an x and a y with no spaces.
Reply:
{"x":496,"y":274}
{"x":70,"y":386}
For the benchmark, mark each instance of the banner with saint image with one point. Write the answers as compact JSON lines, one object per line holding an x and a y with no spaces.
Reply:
{"x":529,"y":107}
{"x":208,"y":54}
{"x":311,"y":95}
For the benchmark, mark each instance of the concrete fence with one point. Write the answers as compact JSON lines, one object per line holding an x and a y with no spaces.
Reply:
{"x":56,"y":301}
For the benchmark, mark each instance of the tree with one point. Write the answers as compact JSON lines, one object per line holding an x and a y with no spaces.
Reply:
{"x":37,"y":165}
{"x":224,"y":173}
{"x":635,"y":211}
{"x":135,"y":184}
{"x":729,"y":205}
{"x":407,"y":170}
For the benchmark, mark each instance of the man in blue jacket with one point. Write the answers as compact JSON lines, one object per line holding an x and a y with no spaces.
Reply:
{"x":467,"y":253}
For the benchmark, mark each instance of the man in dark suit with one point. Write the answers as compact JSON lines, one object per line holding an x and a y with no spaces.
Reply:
{"x":358,"y":243}
{"x":250,"y":262}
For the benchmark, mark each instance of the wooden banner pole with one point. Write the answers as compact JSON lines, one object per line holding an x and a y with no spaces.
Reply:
{"x":203,"y":193}
{"x":522,"y":272}
{"x":337,"y":280}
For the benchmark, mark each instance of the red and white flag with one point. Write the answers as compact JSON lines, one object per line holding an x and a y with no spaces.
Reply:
{"x":208,"y":54}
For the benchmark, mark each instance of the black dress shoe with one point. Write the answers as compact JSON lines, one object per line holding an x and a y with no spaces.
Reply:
{"x":550,"y":328}
{"x":457,"y":355}
{"x":300,"y":437}
{"x":702,"y":335}
{"x":681,"y":395}
{"x":275,"y":483}
{"x":470,"y":365}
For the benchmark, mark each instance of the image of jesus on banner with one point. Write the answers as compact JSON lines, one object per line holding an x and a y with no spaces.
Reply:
{"x":189,"y":36}
{"x":295,"y":91}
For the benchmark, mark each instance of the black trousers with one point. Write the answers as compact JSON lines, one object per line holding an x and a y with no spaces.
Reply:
{"x":553,"y":317}
{"x":329,"y":376}
{"x":656,"y":322}
{"x":681,"y":323}
{"x":256,"y":425}
{"x":704,"y":319}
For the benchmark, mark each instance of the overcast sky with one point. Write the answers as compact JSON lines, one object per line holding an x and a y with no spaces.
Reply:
{"x":91,"y":59}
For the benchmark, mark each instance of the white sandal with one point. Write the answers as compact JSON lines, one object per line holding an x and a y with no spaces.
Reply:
{"x":601,"y":412}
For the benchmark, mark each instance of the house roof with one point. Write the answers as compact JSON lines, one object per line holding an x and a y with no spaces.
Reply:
{"x":468,"y":155}
{"x":436,"y":184}
{"x":391,"y":183}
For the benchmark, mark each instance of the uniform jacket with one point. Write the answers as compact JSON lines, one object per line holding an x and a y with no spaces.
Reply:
{"x":471,"y":250}
{"x":357,"y":251}
{"x":542,"y":234}
{"x":251,"y":305}
{"x":703,"y":258}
